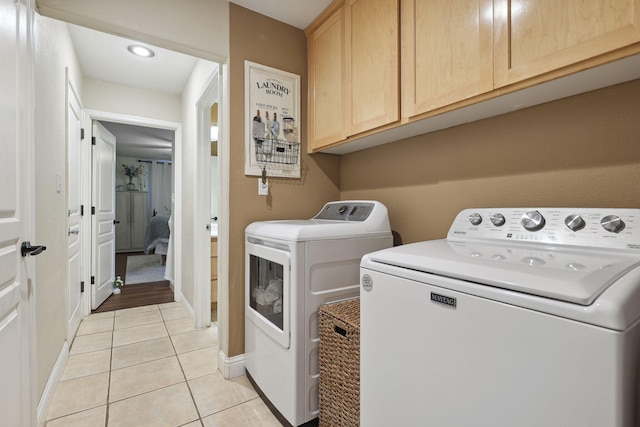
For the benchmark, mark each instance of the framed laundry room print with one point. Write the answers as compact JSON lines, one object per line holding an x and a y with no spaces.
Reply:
{"x":272,"y":114}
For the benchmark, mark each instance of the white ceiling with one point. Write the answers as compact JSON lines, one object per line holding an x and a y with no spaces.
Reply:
{"x":298,"y":13}
{"x":105,"y":57}
{"x":141,"y":142}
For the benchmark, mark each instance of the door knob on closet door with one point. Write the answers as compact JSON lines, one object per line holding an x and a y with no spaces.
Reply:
{"x":71,"y":231}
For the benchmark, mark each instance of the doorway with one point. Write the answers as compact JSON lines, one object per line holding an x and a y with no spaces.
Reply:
{"x":126,"y":126}
{"x":189,"y":172}
{"x":143,"y":194}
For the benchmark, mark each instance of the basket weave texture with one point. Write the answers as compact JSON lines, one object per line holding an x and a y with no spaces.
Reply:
{"x":340,"y":364}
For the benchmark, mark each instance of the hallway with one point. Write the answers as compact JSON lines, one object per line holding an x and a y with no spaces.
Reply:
{"x":148,"y":366}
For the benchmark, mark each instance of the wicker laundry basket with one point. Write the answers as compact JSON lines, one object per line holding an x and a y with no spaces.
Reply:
{"x":340,"y":364}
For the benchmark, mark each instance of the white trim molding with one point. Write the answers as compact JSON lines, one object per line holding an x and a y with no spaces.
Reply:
{"x":231,"y":367}
{"x":50,"y":388}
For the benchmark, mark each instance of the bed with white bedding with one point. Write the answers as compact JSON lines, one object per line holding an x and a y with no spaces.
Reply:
{"x":156,"y":239}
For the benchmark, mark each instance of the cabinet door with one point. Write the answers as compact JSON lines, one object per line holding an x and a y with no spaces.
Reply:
{"x":214,"y":270}
{"x":326,"y":82}
{"x":538,"y":36}
{"x":139,"y":219}
{"x":373,"y":64}
{"x":123,"y":238}
{"x":447,"y":52}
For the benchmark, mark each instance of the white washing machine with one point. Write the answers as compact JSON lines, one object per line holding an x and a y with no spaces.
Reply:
{"x":521,"y":317}
{"x":291,"y":269}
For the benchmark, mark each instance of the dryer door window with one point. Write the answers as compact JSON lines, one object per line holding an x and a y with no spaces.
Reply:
{"x":267,"y":290}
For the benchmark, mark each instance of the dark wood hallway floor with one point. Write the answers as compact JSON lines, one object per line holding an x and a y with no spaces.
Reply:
{"x":135,"y":295}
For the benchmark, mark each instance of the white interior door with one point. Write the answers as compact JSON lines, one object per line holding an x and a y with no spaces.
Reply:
{"x":16,"y":407}
{"x":74,"y":221}
{"x":104,"y":206}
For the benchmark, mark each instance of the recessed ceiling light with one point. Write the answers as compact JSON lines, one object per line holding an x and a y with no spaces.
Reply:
{"x":140,"y":51}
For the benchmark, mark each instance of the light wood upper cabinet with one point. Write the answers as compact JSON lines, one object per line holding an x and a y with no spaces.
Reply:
{"x":453,"y":54}
{"x":373,"y":64}
{"x":353,"y":70}
{"x":447,"y":52}
{"x":326,"y":51}
{"x":534,"y":37}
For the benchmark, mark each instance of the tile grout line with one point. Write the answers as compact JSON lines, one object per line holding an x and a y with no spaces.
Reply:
{"x":106,"y":415}
{"x":111,"y":366}
{"x":185,"y":376}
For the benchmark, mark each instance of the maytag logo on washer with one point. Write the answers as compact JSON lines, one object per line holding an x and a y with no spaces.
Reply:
{"x":367,"y":283}
{"x":441,"y":299}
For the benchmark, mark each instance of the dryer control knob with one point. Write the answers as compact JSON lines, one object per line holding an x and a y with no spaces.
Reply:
{"x":497,"y":220}
{"x":475,"y":219}
{"x":574,"y":222}
{"x":612,"y":223}
{"x":532,"y":221}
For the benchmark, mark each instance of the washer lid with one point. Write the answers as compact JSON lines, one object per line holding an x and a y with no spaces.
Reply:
{"x":573,"y":275}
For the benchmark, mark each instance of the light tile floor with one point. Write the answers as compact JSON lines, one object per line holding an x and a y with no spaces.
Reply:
{"x":148,"y":366}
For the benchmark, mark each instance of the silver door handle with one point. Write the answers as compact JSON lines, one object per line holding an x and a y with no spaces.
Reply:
{"x":71,"y":231}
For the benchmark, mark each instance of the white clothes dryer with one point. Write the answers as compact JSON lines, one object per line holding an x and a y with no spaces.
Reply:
{"x":293,"y":267}
{"x":521,"y":317}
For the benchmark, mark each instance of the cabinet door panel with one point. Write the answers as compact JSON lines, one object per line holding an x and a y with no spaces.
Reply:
{"x":447,"y":52}
{"x":372,"y":54}
{"x":326,"y":68}
{"x":539,"y":36}
{"x":139,"y":219}
{"x":123,"y":212}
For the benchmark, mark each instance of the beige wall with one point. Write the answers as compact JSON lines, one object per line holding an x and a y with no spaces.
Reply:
{"x":579,"y":151}
{"x":265,"y":41}
{"x":53,"y":52}
{"x":127,"y":100}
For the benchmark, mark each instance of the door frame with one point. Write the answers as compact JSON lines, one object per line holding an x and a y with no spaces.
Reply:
{"x":70,"y":91}
{"x":216,"y":89}
{"x":202,"y":263}
{"x":176,"y":159}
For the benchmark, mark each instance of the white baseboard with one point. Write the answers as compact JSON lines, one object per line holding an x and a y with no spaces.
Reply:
{"x":50,"y":388}
{"x":231,"y":367}
{"x":187,"y":306}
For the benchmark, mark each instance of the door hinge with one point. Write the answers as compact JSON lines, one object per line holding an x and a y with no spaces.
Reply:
{"x":81,"y":134}
{"x":93,"y":140}
{"x":81,"y":210}
{"x":81,"y":286}
{"x":93,"y":210}
{"x":93,"y":280}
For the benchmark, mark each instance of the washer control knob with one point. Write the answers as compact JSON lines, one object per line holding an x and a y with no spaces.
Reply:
{"x":497,"y":220}
{"x":532,"y":221}
{"x":342,"y":209}
{"x":612,"y":223}
{"x":574,"y":222}
{"x":475,"y":219}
